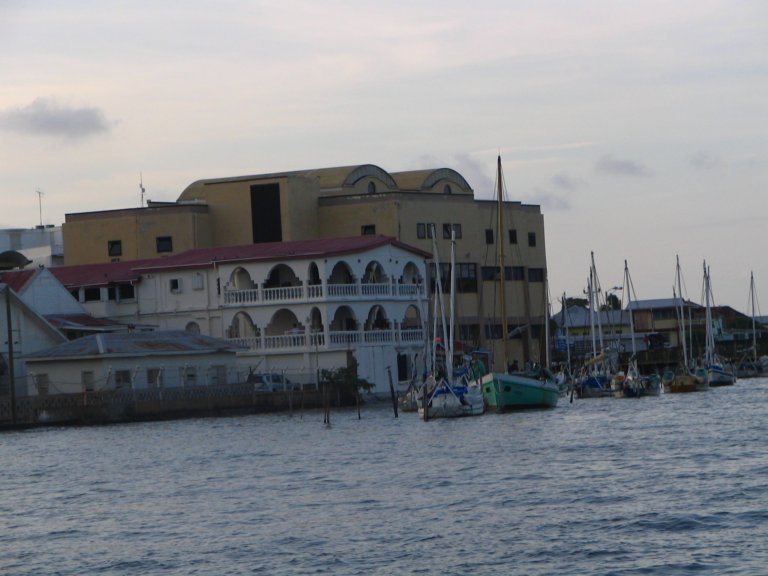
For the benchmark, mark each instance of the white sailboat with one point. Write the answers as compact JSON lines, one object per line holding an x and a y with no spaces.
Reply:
{"x":719,"y":373}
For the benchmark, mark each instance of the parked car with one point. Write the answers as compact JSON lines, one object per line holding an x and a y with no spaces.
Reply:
{"x":272,"y":382}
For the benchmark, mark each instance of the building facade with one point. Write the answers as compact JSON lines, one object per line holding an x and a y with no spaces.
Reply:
{"x":297,"y":307}
{"x":422,"y":208}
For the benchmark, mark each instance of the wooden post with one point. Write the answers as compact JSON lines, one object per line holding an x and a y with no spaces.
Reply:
{"x":392,"y":390}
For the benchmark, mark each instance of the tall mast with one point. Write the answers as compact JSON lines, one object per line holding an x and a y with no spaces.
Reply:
{"x":752,"y":302}
{"x":502,"y":274}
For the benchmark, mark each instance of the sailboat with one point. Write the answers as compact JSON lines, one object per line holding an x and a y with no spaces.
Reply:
{"x":449,"y":397}
{"x":518,"y":390}
{"x":631,"y":384}
{"x":682,"y":379}
{"x":750,"y":366}
{"x":719,"y":373}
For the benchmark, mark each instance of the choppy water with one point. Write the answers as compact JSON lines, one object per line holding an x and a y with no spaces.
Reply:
{"x":669,"y":485}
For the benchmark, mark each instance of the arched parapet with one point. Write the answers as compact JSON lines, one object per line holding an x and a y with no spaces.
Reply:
{"x":342,"y":281}
{"x":343,"y":329}
{"x":281,"y":283}
{"x":377,"y":328}
{"x":244,"y":330}
{"x":370,"y":171}
{"x":375,"y":282}
{"x":445,"y":176}
{"x":285,"y":330}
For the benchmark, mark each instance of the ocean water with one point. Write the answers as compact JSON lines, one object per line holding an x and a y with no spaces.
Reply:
{"x":670,"y":485}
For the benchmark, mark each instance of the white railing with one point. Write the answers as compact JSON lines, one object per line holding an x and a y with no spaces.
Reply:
{"x":343,"y":338}
{"x":341,"y":290}
{"x":282,"y":294}
{"x":241,"y":296}
{"x":336,"y":339}
{"x":376,"y":289}
{"x":319,"y":292}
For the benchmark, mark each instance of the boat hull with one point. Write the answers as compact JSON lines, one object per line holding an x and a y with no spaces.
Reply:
{"x":517,"y":392}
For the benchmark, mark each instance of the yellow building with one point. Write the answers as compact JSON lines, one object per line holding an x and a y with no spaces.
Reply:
{"x":346,"y":201}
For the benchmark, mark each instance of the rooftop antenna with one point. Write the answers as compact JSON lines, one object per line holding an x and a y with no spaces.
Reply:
{"x":141,"y":187}
{"x":40,"y":204}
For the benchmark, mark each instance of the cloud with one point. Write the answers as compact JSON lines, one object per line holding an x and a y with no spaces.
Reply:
{"x":611,"y":165}
{"x":705,"y":161}
{"x":47,"y":117}
{"x":564,"y":181}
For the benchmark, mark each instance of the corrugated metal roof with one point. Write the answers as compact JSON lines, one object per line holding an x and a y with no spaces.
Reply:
{"x":17,"y":279}
{"x":101,"y":274}
{"x":84,"y":322}
{"x":126,"y":344}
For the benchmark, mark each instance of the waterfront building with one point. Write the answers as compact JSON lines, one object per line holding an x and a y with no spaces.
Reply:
{"x":422,"y":208}
{"x":296,"y":306}
{"x":131,"y":361}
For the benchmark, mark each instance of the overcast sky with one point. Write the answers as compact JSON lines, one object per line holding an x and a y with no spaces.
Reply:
{"x":639,"y":127}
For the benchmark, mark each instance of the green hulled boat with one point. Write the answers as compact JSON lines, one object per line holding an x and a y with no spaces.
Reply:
{"x":518,"y":391}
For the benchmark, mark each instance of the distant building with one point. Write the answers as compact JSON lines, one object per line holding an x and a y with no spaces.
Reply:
{"x":42,"y":245}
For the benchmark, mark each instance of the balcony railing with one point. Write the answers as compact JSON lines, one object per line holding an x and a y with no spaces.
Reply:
{"x":332,"y":340}
{"x":330,"y":292}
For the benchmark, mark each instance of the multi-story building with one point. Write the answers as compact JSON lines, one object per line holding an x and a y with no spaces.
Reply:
{"x":421,"y":208}
{"x":298,"y":306}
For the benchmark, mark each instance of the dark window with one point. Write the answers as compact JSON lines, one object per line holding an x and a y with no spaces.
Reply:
{"x":488,"y":236}
{"x":115,"y":247}
{"x":126,"y":291}
{"x":371,"y":188}
{"x":518,"y":273}
{"x":489,"y":273}
{"x":431,"y":230}
{"x":368,"y":229}
{"x":493,"y":331}
{"x":447,"y":189}
{"x":457,"y":230}
{"x":531,"y":239}
{"x":164,"y":244}
{"x":447,"y":231}
{"x":535,"y":274}
{"x":175,"y":285}
{"x":266,"y":220}
{"x":513,"y":236}
{"x":445,"y":276}
{"x":92,"y":295}
{"x":421,"y":230}
{"x":466,"y":278}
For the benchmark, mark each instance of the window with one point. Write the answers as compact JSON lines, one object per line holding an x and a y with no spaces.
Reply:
{"x":535,"y":274}
{"x":115,"y":248}
{"x":421,"y":230}
{"x":175,"y":284}
{"x":447,"y":189}
{"x":513,"y":236}
{"x":92,"y":295}
{"x":197,"y":281}
{"x":368,"y":229}
{"x":493,"y":331}
{"x":518,"y":273}
{"x":457,"y":231}
{"x":217,"y":375}
{"x":532,"y":239}
{"x":431,"y":230}
{"x":126,"y":292}
{"x":42,"y":384}
{"x":122,"y":379}
{"x":164,"y":244}
{"x":466,"y":278}
{"x":488,"y":236}
{"x":155,"y":377}
{"x":447,"y":231}
{"x":86,"y":377}
{"x":491,"y":273}
{"x":371,"y":188}
{"x":188,"y":376}
{"x":192,"y":328}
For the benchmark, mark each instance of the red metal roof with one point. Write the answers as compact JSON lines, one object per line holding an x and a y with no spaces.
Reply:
{"x":16,"y":279}
{"x":130,"y":271}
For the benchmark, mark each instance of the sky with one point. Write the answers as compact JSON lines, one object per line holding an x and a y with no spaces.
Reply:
{"x":639,"y":127}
